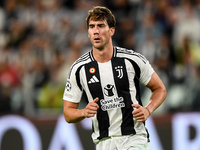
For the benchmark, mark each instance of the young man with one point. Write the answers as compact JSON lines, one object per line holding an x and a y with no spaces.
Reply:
{"x":110,"y":78}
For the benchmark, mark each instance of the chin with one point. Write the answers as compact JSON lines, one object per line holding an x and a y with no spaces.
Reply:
{"x":99,"y":47}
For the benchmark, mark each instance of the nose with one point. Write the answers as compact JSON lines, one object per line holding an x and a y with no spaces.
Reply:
{"x":96,"y":30}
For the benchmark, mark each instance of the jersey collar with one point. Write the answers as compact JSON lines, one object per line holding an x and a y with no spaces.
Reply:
{"x":114,"y":53}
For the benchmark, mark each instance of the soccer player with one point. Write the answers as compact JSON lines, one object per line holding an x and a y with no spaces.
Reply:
{"x":110,"y":76}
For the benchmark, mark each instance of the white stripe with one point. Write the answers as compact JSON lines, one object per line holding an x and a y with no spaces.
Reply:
{"x":106,"y":75}
{"x":132,"y":87}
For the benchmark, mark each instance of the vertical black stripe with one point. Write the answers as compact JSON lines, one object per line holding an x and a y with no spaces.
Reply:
{"x":78,"y":78}
{"x":122,"y":86}
{"x":96,"y":91}
{"x":136,"y":81}
{"x":137,"y":86}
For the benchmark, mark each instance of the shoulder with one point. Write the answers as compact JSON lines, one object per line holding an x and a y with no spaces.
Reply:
{"x":129,"y":54}
{"x":123,"y":50}
{"x":81,"y":61}
{"x":85,"y":58}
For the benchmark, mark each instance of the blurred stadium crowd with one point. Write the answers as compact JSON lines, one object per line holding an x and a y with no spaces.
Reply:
{"x":40,"y":39}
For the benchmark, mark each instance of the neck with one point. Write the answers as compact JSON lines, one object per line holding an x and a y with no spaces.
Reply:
{"x":103,"y":55}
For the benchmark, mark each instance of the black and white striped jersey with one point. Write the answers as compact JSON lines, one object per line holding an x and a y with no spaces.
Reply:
{"x":116,"y":84}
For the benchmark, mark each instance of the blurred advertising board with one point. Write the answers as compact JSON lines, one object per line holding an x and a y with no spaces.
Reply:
{"x":180,"y":131}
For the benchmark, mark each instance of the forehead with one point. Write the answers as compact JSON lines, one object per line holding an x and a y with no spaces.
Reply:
{"x":92,"y":22}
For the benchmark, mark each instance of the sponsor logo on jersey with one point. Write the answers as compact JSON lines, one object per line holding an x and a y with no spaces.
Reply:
{"x":93,"y":80}
{"x":109,"y":104}
{"x":109,"y":90}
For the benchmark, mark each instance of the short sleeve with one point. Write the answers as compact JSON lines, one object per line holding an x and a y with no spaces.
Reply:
{"x":72,"y":91}
{"x":146,"y":73}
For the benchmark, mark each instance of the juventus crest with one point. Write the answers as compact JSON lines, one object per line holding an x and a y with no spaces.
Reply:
{"x":119,"y":69}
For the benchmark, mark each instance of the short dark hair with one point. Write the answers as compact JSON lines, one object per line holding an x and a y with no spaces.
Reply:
{"x":101,"y":13}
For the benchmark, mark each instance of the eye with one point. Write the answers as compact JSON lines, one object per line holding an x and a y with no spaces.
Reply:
{"x":91,"y":26}
{"x":101,"y":25}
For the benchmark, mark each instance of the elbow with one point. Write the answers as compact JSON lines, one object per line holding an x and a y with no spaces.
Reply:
{"x":67,"y":118}
{"x":68,"y":121}
{"x":161,"y":90}
{"x":71,"y":120}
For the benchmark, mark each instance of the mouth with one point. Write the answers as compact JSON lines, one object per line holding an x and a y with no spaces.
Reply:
{"x":97,"y":39}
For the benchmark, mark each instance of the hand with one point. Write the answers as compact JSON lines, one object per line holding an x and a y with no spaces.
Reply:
{"x":140,"y":113}
{"x":91,"y":108}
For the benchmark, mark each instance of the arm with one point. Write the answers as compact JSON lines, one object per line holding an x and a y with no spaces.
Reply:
{"x":158,"y":96}
{"x":159,"y":93}
{"x":73,"y":115}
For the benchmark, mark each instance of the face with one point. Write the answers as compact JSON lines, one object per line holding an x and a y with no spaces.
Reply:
{"x":100,"y":34}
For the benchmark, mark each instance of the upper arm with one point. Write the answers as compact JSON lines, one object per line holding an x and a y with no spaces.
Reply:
{"x":68,"y":104}
{"x":68,"y":108}
{"x":71,"y":112}
{"x":155,"y":83}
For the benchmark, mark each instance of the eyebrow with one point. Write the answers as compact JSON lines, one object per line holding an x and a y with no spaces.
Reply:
{"x":99,"y":24}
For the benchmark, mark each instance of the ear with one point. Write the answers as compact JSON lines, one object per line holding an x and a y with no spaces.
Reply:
{"x":112,"y":31}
